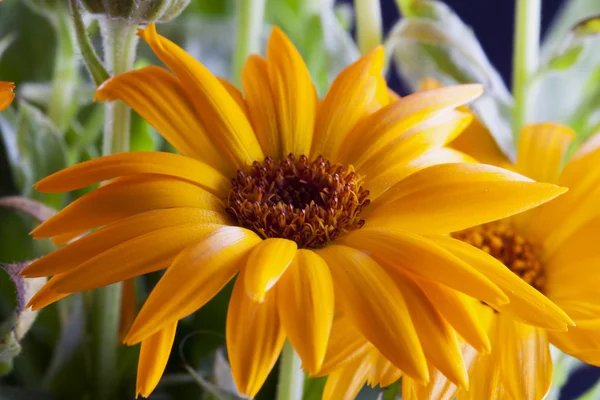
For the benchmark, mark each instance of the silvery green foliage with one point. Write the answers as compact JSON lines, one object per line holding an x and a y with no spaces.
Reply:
{"x":433,"y":42}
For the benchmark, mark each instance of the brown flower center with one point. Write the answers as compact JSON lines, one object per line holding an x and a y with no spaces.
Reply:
{"x":513,"y":250}
{"x":310,"y":203}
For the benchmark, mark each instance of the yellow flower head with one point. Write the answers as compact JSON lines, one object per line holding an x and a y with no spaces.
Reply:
{"x":552,"y":249}
{"x":6,"y":94}
{"x":298,"y":198}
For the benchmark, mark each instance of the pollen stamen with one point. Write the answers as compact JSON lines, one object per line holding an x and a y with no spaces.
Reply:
{"x":310,"y":203}
{"x":500,"y":241}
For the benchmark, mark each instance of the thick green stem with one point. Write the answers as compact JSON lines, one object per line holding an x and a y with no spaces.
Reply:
{"x":369,"y":24}
{"x":120,"y":42}
{"x":250,"y":20}
{"x":64,"y":81}
{"x":90,"y":58}
{"x":291,"y":376}
{"x":526,"y":54}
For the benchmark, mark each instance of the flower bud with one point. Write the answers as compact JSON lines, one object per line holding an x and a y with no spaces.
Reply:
{"x":138,"y":12}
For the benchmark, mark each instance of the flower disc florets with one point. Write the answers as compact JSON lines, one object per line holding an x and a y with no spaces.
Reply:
{"x":500,"y":241}
{"x":310,"y":203}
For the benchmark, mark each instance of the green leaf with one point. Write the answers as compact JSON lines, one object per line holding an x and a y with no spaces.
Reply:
{"x":35,"y":149}
{"x":433,"y":42}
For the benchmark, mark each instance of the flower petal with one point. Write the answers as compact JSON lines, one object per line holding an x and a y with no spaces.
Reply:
{"x":219,"y":113}
{"x":125,"y":197}
{"x":526,"y":303}
{"x":524,"y":357}
{"x":205,"y":267}
{"x":147,"y":253}
{"x":123,"y":164}
{"x":154,"y":355}
{"x":234,"y":93}
{"x":103,"y":239}
{"x":160,"y":99}
{"x":345,"y":344}
{"x":437,"y":337}
{"x":306,"y":306}
{"x":396,"y":249}
{"x":6,"y":94}
{"x":45,"y":296}
{"x":427,"y":136}
{"x":541,"y":150}
{"x":396,"y":172}
{"x":346,"y":382}
{"x":254,"y":338}
{"x":369,"y":298}
{"x":351,"y":97}
{"x":460,"y":311}
{"x":267,"y":262}
{"x":294,"y":94}
{"x":384,"y":126}
{"x":580,"y":343}
{"x":261,"y":105}
{"x":433,"y":200}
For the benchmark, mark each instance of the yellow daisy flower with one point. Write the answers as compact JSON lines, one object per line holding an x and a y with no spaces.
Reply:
{"x":6,"y":94}
{"x":299,"y":198}
{"x":552,"y":248}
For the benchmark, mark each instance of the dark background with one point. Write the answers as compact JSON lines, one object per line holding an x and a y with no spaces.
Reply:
{"x":492,"y":21}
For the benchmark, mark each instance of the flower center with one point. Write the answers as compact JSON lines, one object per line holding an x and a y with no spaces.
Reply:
{"x":513,"y":250}
{"x":310,"y":203}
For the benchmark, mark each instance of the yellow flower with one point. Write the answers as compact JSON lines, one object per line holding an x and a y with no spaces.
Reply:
{"x":552,"y":248}
{"x":302,"y":198}
{"x":6,"y":94}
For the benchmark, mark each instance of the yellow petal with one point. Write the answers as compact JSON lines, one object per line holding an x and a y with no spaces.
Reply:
{"x":254,"y":338}
{"x":45,"y":296}
{"x":160,"y":99}
{"x":147,"y":253}
{"x":123,"y":164}
{"x":294,"y":94}
{"x":460,"y":311}
{"x":124,"y":197}
{"x":110,"y":236}
{"x":524,"y":357}
{"x":373,"y":303}
{"x":261,"y":105}
{"x":437,"y":337}
{"x":351,"y":97}
{"x":580,"y":343}
{"x":128,"y":307}
{"x":541,"y":150}
{"x":589,"y":146}
{"x":433,"y":200}
{"x":219,"y":113}
{"x":345,"y":383}
{"x":306,"y":306}
{"x":266,"y":263}
{"x":397,"y":171}
{"x":345,"y":344}
{"x":438,"y":388}
{"x":396,"y":249}
{"x":154,"y":355}
{"x":234,"y":93}
{"x":384,"y":126}
{"x":526,"y":303}
{"x":205,"y":267}
{"x":6,"y":94}
{"x":429,"y":135}
{"x":582,"y":242}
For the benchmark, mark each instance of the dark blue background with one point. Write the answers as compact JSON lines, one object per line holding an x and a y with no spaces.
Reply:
{"x":492,"y":21}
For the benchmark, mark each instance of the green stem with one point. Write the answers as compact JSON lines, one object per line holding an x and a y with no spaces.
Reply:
{"x":90,"y":58}
{"x":526,"y":54}
{"x":369,"y":25}
{"x":250,"y":19}
{"x":120,"y":43}
{"x":291,"y":376}
{"x":64,"y":81}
